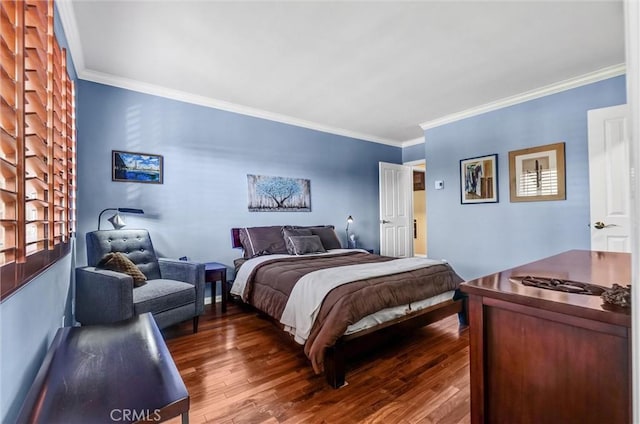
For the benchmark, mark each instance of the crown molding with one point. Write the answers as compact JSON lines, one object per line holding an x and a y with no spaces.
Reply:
{"x":182,"y":96}
{"x":68,"y":20}
{"x":412,"y":142}
{"x":599,"y":75}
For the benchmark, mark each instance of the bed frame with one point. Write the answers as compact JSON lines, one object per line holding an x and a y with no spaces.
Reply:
{"x":352,"y":345}
{"x":355,"y":344}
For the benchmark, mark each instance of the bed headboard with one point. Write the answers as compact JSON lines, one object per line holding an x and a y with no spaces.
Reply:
{"x":235,"y":238}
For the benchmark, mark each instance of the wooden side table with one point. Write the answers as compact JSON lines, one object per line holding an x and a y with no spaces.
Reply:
{"x":214,"y":272}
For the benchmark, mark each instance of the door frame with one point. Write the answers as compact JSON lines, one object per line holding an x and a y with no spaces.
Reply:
{"x":632,"y":41}
{"x":414,"y":166}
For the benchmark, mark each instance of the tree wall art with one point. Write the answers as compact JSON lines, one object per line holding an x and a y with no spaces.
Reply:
{"x":278,"y":194}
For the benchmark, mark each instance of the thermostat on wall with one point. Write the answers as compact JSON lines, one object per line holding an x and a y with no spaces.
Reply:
{"x":439,"y":185}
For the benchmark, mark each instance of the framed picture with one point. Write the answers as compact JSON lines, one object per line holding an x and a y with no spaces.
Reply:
{"x":136,"y":167}
{"x":537,"y":173}
{"x":278,"y":194}
{"x":479,"y":179}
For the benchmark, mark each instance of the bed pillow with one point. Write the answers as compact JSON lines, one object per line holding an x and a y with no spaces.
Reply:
{"x":117,"y":261}
{"x":302,"y":245}
{"x":328,"y":237}
{"x":290,"y":231}
{"x":258,"y":241}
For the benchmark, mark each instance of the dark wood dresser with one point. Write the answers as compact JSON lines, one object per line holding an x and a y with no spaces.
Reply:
{"x":544,"y":356}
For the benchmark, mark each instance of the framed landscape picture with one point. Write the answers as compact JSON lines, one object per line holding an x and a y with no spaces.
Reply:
{"x":479,"y":179}
{"x":537,"y":173}
{"x":136,"y":167}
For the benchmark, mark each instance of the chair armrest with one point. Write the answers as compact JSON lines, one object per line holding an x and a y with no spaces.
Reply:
{"x":188,"y":272}
{"x":102,"y":296}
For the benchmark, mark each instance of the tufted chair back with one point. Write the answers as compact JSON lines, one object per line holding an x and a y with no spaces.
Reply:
{"x":136,"y":244}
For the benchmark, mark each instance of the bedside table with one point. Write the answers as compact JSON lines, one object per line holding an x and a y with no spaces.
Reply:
{"x":214,"y":272}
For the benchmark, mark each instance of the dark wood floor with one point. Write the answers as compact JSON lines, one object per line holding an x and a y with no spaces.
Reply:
{"x":240,"y":369}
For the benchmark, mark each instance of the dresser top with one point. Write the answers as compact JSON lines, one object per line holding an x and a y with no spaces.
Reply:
{"x":585,"y":266}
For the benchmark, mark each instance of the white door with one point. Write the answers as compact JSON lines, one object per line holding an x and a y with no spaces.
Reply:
{"x":396,"y":203}
{"x":609,"y":179}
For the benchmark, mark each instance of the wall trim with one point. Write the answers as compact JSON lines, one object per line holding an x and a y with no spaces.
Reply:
{"x":417,"y":162}
{"x":68,"y":20}
{"x":183,"y":96}
{"x":413,"y":142}
{"x":599,"y":75}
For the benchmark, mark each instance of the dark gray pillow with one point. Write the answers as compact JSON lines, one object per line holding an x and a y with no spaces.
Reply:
{"x":328,"y":237}
{"x":289,"y":231}
{"x":302,"y":245}
{"x":258,"y":241}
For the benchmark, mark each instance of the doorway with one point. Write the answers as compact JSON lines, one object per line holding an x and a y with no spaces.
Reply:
{"x":419,"y":207}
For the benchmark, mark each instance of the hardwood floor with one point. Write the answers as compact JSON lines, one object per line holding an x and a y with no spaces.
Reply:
{"x":239,"y":368}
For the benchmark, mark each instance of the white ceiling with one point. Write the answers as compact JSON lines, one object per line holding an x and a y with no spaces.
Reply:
{"x":370,"y":69}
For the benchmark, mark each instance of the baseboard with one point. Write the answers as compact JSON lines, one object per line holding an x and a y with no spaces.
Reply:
{"x":207,"y":300}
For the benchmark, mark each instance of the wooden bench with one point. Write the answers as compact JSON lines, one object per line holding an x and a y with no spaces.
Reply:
{"x":121,"y":372}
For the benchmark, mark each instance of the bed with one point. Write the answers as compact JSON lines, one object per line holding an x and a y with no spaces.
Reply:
{"x":338,"y":302}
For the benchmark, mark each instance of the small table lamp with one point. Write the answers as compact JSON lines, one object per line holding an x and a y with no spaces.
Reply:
{"x":351,"y":238}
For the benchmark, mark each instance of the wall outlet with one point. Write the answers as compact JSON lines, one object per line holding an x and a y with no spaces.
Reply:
{"x":439,"y":185}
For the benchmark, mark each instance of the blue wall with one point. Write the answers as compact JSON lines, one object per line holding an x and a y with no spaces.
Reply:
{"x":478,"y":239}
{"x":411,"y":153}
{"x":28,"y":322}
{"x":30,"y":317}
{"x":207,"y":156}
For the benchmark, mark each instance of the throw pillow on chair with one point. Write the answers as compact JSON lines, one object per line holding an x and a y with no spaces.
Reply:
{"x":117,"y":261}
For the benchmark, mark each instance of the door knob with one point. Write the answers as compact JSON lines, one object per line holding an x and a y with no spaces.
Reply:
{"x":384,"y":221}
{"x":600,"y":225}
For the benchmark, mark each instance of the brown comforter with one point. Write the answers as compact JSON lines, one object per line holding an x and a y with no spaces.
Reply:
{"x":270,"y":284}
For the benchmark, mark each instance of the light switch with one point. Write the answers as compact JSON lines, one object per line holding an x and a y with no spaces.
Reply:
{"x":439,"y":185}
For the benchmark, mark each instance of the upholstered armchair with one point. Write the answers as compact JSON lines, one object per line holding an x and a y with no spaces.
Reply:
{"x":173,"y":291}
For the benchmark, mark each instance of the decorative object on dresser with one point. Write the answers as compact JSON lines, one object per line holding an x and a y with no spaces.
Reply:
{"x":537,"y":173}
{"x":278,"y":194}
{"x":559,"y":284}
{"x":479,"y":179}
{"x":174,"y":290}
{"x":120,"y":372}
{"x":136,"y":167}
{"x":116,"y":220}
{"x":377,"y":296}
{"x":547,"y":356}
{"x":618,"y":296}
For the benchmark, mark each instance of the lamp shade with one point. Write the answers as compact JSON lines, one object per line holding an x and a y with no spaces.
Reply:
{"x":116,"y":220}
